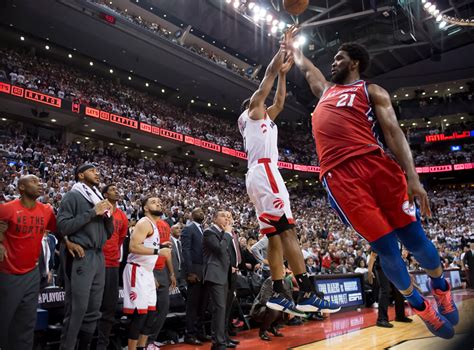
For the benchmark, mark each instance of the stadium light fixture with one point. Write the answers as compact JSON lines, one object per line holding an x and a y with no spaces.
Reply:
{"x":432,"y":9}
{"x":236,"y":4}
{"x":251,"y":5}
{"x":228,"y":1}
{"x":281,"y":25}
{"x":274,"y":30}
{"x":427,"y":5}
{"x":442,"y":24}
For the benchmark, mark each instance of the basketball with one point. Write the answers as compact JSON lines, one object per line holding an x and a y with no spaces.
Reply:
{"x":295,"y":7}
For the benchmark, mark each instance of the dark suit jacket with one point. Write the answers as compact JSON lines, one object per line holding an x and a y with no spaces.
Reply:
{"x":216,"y":255}
{"x":174,"y":259}
{"x":191,"y":240}
{"x":41,"y":265}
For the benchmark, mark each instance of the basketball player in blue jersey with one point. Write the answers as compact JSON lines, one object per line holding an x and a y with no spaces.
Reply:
{"x":268,"y":192}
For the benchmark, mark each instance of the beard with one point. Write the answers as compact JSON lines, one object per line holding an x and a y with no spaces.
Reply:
{"x":156,"y":213}
{"x":340,"y":76}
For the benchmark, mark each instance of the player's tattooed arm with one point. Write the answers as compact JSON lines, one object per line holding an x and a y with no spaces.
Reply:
{"x":316,"y":80}
{"x":398,"y":144}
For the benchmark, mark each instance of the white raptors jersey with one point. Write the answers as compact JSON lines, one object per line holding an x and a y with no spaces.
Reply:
{"x":260,"y":138}
{"x":147,"y":261}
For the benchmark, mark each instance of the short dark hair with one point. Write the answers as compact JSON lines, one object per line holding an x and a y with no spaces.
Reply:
{"x":217,"y":212}
{"x":144,"y":202}
{"x":357,"y":52}
{"x":106,"y":188}
{"x":245,"y":105}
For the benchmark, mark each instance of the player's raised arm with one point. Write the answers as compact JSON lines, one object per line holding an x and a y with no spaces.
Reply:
{"x":398,"y":144}
{"x":257,"y":101}
{"x":279,"y":101}
{"x":316,"y":80}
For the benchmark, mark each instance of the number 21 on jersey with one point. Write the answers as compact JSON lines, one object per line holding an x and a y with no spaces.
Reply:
{"x":346,"y":100}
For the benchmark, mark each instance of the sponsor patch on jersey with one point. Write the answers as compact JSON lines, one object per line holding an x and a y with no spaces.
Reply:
{"x":408,"y":209}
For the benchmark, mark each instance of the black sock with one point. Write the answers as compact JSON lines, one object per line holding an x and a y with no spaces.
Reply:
{"x":278,"y":286}
{"x":304,"y":283}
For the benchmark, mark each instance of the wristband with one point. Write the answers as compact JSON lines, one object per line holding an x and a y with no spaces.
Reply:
{"x":156,"y":251}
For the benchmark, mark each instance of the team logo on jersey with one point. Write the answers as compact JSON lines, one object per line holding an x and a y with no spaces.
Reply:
{"x":133,"y":296}
{"x":264,"y":128}
{"x":278,"y":203}
{"x":408,"y":209}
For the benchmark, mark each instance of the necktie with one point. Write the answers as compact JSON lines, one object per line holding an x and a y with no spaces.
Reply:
{"x":237,"y":250}
{"x":178,"y":244}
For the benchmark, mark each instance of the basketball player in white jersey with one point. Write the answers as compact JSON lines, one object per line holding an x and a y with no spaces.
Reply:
{"x":268,"y":192}
{"x":139,"y":288}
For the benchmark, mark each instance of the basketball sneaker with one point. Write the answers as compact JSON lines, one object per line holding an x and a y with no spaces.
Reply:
{"x":312,"y":303}
{"x":446,"y":305}
{"x":435,"y":322}
{"x":280,"y":303}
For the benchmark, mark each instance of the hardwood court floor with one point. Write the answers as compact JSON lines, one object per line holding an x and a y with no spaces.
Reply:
{"x":356,"y":330}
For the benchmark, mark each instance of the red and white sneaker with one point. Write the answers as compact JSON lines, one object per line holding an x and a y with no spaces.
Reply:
{"x":435,"y":322}
{"x":446,"y":305}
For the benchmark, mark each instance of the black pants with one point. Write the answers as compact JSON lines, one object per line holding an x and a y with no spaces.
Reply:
{"x":218,"y":295}
{"x":196,"y":305}
{"x":109,"y":307}
{"x":271,"y":319}
{"x":385,"y":288}
{"x":230,"y":302}
{"x":162,"y":302}
{"x":18,"y":302}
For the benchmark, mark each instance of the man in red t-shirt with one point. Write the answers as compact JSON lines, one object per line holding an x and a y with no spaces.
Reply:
{"x":112,"y":255}
{"x":165,"y":278}
{"x":22,"y":226}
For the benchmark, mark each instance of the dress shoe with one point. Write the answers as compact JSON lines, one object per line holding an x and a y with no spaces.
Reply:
{"x":230,"y":345}
{"x":203,"y":338}
{"x":403,"y":319}
{"x":275,"y":332}
{"x":264,"y":336}
{"x":384,"y":324}
{"x":233,"y":341}
{"x":192,"y":341}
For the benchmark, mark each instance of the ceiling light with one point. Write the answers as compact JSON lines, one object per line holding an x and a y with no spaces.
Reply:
{"x":93,"y":130}
{"x":111,"y":71}
{"x":129,"y":78}
{"x":447,"y":124}
{"x":91,"y":63}
{"x":275,"y":22}
{"x":394,"y":96}
{"x":211,"y":160}
{"x":209,"y":104}
{"x":461,"y":87}
{"x":147,"y":85}
{"x":228,"y":1}
{"x":429,"y":122}
{"x":142,"y":151}
{"x":414,"y":124}
{"x":78,"y":142}
{"x":426,"y":5}
{"x":192,"y":101}
{"x":236,"y":4}
{"x":251,"y":5}
{"x":126,"y":147}
{"x":158,"y":146}
{"x":22,"y":38}
{"x":442,"y":24}
{"x":256,"y":9}
{"x":274,"y":30}
{"x":128,"y":139}
{"x":163,"y":91}
{"x":445,"y":120}
{"x":86,"y":138}
{"x":269,"y":18}
{"x":47,"y":47}
{"x":155,"y":154}
{"x":462,"y":118}
{"x":423,"y":93}
{"x":402,"y":124}
{"x":406,"y":95}
{"x":111,"y":143}
{"x":436,"y":12}
{"x":53,"y":120}
{"x":281,"y":25}
{"x":436,"y":91}
{"x":69,"y":55}
{"x":224,"y":108}
{"x":432,"y":9}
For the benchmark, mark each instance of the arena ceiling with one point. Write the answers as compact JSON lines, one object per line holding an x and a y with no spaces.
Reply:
{"x":397,"y":33}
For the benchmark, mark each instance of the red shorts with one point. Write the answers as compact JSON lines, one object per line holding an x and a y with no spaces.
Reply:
{"x":369,"y":193}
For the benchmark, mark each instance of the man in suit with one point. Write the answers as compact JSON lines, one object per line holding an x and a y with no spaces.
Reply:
{"x":235,"y":261}
{"x":217,"y":266}
{"x":46,"y":259}
{"x":196,"y":302}
{"x":469,"y":265}
{"x":177,"y":257}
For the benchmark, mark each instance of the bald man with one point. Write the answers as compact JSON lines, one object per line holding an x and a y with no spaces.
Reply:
{"x":23,"y":223}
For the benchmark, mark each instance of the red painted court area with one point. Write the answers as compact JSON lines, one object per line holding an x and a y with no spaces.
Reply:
{"x":312,"y":331}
